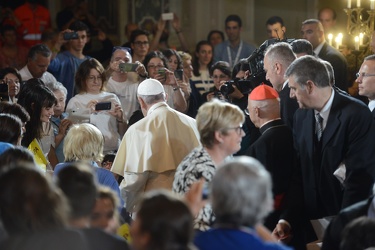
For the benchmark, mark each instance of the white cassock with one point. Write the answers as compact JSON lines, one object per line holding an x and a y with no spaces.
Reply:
{"x":151,"y":150}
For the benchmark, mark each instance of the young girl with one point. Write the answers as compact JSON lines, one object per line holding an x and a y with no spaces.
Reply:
{"x":39,"y":102}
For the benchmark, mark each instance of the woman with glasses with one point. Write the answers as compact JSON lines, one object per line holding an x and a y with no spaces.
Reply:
{"x":220,"y":128}
{"x":220,"y":72}
{"x":9,"y":84}
{"x":157,"y":68}
{"x":96,"y":106}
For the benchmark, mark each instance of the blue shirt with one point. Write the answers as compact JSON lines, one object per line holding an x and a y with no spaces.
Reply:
{"x":56,"y":121}
{"x":104,"y":177}
{"x":64,"y":67}
{"x":221,"y":52}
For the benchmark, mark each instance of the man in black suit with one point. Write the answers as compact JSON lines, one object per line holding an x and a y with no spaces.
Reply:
{"x":334,"y":140}
{"x":274,"y":148}
{"x":366,"y":81}
{"x":277,"y":59}
{"x":332,"y":235}
{"x":312,"y":30}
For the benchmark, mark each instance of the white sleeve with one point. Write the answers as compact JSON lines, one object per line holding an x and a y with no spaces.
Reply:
{"x":132,"y":188}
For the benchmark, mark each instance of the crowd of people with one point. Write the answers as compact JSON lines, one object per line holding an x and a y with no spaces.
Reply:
{"x":143,"y":146}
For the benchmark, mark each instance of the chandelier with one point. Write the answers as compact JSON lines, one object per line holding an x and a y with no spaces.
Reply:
{"x":358,"y":26}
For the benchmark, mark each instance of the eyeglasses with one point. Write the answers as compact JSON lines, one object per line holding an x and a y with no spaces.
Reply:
{"x":94,"y":78}
{"x":363,"y":74}
{"x":220,"y":77}
{"x":247,"y":111}
{"x":152,"y":66}
{"x":237,"y":129}
{"x":121,"y":48}
{"x":139,"y":43}
{"x":10,"y":81}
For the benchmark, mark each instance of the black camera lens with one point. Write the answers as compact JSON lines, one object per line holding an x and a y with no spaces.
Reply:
{"x":227,"y":88}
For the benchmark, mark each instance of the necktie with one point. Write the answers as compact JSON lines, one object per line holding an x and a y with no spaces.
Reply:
{"x":318,"y":126}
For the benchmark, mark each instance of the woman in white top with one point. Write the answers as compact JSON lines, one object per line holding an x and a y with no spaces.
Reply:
{"x":108,"y":118}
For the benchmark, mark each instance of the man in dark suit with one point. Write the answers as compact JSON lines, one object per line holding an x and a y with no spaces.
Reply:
{"x":313,"y":31}
{"x":274,"y":148}
{"x":334,"y":140}
{"x":332,"y":235}
{"x":277,"y":59}
{"x":366,"y":81}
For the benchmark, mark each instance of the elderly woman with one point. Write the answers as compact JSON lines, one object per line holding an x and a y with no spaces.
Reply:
{"x":161,"y":210}
{"x":84,"y":142}
{"x":10,"y":82}
{"x":59,"y":120}
{"x":157,"y":68}
{"x":220,"y":128}
{"x":241,"y":197}
{"x":90,"y":84}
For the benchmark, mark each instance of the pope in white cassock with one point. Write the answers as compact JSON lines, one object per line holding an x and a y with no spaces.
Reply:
{"x":153,"y":147}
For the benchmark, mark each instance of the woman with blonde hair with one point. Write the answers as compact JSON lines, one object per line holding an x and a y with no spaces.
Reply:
{"x":220,"y":129}
{"x":84,"y":142}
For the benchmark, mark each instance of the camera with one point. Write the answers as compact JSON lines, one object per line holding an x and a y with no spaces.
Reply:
{"x":103,"y":106}
{"x":128,"y":67}
{"x":161,"y":72}
{"x":245,"y":86}
{"x":70,"y":35}
{"x":3,"y":87}
{"x":167,"y":16}
{"x":256,"y":62}
{"x":179,"y":74}
{"x":79,"y":115}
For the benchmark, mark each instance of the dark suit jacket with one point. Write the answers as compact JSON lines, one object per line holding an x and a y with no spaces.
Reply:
{"x":348,"y":137}
{"x":339,"y":64}
{"x":274,"y":149}
{"x":373,"y":113}
{"x":288,"y":106}
{"x":332,"y":235}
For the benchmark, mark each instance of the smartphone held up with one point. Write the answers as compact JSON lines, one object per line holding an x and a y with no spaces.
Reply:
{"x":103,"y":106}
{"x":70,"y":35}
{"x":128,"y":67}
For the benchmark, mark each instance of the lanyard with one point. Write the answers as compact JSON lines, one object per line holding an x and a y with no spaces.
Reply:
{"x":237,"y":56}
